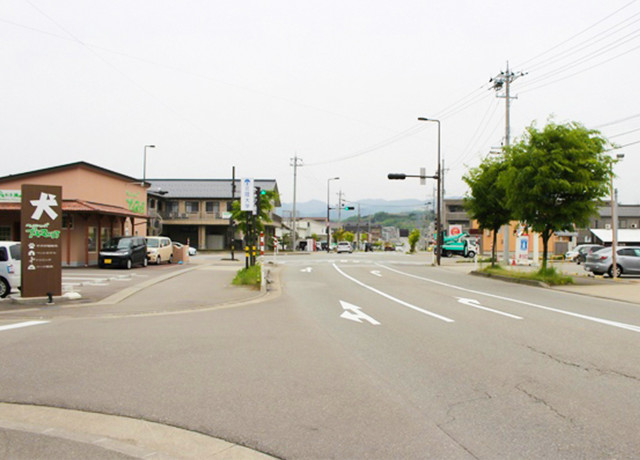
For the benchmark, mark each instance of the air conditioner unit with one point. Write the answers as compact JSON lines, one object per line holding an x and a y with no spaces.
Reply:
{"x":607,"y":226}
{"x":634,"y":225}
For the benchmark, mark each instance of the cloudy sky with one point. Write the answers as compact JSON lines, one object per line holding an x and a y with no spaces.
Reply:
{"x":339,"y":84}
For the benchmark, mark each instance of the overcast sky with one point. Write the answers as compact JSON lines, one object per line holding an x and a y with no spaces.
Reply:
{"x":215,"y":84}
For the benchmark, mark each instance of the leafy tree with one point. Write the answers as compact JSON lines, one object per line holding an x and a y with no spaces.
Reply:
{"x":487,"y":202}
{"x":348,"y":236}
{"x":554,"y":178}
{"x":244,"y":219}
{"x":338,"y":234}
{"x":414,"y":237}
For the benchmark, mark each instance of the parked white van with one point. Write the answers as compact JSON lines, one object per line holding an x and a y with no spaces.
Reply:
{"x":159,"y":249}
{"x":10,"y":277}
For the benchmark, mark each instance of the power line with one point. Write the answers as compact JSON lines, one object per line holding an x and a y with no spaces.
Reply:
{"x":630,"y":117}
{"x":577,"y":34}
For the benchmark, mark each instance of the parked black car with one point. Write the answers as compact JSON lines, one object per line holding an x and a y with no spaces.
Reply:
{"x":124,"y":251}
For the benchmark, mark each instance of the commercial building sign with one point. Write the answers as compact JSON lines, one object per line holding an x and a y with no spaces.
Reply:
{"x":10,"y":196}
{"x":41,"y":221}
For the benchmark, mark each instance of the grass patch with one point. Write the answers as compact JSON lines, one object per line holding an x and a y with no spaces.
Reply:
{"x":248,"y":277}
{"x":549,"y":275}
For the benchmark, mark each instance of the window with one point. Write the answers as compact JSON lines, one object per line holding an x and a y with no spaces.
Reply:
{"x":212,"y":207}
{"x":5,"y":233}
{"x":172,"y":207}
{"x":152,"y":203}
{"x":92,"y":238}
{"x":105,"y":235}
{"x":191,"y":207}
{"x":67,"y":221}
{"x":3,"y":255}
{"x":229,"y":206}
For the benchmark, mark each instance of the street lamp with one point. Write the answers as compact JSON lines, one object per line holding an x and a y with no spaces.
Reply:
{"x":614,"y":221}
{"x":439,"y":236}
{"x":328,"y":218}
{"x":144,"y":165}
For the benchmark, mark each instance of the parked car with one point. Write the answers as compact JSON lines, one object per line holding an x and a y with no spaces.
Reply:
{"x":159,"y":249}
{"x":627,"y":261}
{"x":124,"y":251}
{"x":344,"y":246}
{"x":579,"y":253}
{"x":10,"y":277}
{"x":587,"y":249}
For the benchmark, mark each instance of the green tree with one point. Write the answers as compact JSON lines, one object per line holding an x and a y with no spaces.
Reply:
{"x":414,"y":237}
{"x":337,"y":235}
{"x":244,"y":219}
{"x":487,"y":202}
{"x":348,"y":236}
{"x":555,"y":177}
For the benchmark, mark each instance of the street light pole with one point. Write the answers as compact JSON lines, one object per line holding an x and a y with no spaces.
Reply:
{"x":328,"y":217}
{"x":144,"y":165}
{"x":439,"y":236}
{"x":614,"y":222}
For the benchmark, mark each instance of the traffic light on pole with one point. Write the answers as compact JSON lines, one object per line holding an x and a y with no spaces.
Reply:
{"x":349,"y":208}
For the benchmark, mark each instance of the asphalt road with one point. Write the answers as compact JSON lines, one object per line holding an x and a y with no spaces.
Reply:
{"x":360,"y":356}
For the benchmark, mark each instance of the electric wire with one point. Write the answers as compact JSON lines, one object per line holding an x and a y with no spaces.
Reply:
{"x":615,"y":122}
{"x":479,"y":132}
{"x":522,"y":64}
{"x":624,"y":134}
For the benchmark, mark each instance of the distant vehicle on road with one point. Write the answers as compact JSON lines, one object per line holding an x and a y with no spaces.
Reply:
{"x":124,"y":251}
{"x":344,"y":246}
{"x":627,"y":261}
{"x":10,"y":277}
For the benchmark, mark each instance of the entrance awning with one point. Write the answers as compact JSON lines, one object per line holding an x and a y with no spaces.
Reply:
{"x":625,"y":235}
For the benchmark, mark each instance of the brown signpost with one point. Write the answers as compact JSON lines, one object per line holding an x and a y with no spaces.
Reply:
{"x":41,"y":222}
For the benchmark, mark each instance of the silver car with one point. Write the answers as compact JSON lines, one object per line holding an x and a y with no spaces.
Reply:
{"x":627,"y":261}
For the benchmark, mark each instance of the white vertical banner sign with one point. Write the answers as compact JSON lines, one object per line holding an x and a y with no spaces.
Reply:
{"x":522,"y":250}
{"x":246,"y":195}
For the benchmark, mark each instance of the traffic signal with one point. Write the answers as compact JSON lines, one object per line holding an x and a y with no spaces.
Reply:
{"x":349,"y":208}
{"x":396,"y":176}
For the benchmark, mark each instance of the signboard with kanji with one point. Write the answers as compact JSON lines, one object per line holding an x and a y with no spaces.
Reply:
{"x":41,"y":227}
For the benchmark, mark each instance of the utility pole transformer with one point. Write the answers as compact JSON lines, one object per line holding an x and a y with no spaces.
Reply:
{"x":500,"y":81}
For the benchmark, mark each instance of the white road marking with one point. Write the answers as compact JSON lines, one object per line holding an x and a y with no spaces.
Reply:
{"x":475,"y":304}
{"x":629,"y":327}
{"x":401,"y":302}
{"x":19,"y":325}
{"x":376,"y":273}
{"x":307,"y":270}
{"x":356,"y":314}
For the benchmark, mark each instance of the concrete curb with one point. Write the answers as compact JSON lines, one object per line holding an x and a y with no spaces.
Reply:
{"x":128,"y":436}
{"x":511,"y":279}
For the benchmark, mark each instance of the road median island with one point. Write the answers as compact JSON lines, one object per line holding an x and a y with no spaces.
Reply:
{"x":542,"y":278}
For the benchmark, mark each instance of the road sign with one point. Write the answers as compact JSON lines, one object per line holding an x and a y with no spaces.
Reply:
{"x":246,"y":195}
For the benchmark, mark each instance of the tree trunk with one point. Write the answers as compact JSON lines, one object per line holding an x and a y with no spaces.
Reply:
{"x":546,"y":234}
{"x":493,"y":248}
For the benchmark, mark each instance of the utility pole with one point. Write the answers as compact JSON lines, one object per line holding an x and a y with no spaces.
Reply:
{"x":340,"y":208}
{"x":295,"y":162}
{"x":500,"y":81}
{"x":231,"y":223}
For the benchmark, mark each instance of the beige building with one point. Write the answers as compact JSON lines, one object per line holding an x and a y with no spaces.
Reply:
{"x":96,"y":203}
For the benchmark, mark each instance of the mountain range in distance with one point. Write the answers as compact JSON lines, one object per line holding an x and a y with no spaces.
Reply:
{"x":317,"y":208}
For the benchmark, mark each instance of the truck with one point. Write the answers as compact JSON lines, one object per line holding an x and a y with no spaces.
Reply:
{"x":461,"y":244}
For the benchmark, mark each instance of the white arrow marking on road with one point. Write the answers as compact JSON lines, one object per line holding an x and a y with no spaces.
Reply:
{"x":376,"y":273}
{"x":475,"y":304}
{"x":18,"y":325}
{"x":307,"y":270}
{"x":356,"y":313}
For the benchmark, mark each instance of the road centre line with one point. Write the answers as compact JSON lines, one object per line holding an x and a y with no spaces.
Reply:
{"x":401,"y":302}
{"x":629,"y":327}
{"x":19,"y":325}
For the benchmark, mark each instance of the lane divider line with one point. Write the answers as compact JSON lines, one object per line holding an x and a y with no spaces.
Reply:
{"x":19,"y":325}
{"x":390,"y":297}
{"x":607,"y":322}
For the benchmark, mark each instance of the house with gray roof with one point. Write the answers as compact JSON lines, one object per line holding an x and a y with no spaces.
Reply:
{"x":198,"y":211}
